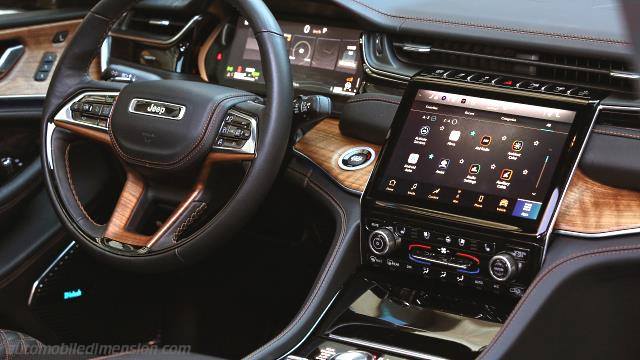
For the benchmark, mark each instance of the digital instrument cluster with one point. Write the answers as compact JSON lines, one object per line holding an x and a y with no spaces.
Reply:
{"x":324,"y":59}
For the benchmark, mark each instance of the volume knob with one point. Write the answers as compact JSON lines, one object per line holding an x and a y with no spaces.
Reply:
{"x":382,"y":241}
{"x":503,"y":267}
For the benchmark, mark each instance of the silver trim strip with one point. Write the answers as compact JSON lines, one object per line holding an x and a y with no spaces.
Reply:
{"x":416,"y":48}
{"x":624,"y":75}
{"x":556,"y":212}
{"x":105,"y":54}
{"x":384,"y":348}
{"x":304,"y":338}
{"x":599,"y":235}
{"x":135,"y":101}
{"x":157,"y":42}
{"x":36,"y":283}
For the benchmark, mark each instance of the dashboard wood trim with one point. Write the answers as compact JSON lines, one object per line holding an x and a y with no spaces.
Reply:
{"x":589,"y":207}
{"x":36,"y":40}
{"x":324,"y":144}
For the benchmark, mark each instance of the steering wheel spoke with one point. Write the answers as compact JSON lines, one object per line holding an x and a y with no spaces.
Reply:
{"x":191,"y":207}
{"x":88,"y":115}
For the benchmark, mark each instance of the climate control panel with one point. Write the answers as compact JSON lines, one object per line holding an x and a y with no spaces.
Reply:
{"x":429,"y":252}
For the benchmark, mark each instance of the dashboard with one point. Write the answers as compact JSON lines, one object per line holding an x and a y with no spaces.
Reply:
{"x":325,"y":59}
{"x":480,"y":166}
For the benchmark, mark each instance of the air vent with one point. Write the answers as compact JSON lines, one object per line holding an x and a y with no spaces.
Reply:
{"x":155,"y":28}
{"x":595,"y":73}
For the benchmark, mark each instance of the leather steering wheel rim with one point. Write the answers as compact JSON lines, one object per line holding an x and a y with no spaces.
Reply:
{"x":71,"y":78}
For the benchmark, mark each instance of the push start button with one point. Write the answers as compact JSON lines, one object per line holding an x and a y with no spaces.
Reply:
{"x":356,"y":158}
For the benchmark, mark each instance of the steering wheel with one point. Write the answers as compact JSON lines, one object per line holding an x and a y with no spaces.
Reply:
{"x":170,"y":136}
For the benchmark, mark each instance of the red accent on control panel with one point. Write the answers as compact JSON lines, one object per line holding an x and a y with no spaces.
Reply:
{"x":426,"y":247}
{"x":469,"y":257}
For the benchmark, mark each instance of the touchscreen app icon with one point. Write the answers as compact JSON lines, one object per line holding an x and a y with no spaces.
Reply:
{"x":444,"y":164}
{"x":517,"y":145}
{"x":506,"y":174}
{"x":413,"y":158}
{"x":424,"y":131}
{"x":485,"y":141}
{"x":454,"y":135}
{"x":474,"y":169}
{"x":503,"y":203}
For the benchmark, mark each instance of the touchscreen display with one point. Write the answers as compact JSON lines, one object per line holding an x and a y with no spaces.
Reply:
{"x":324,"y":59}
{"x":476,"y":153}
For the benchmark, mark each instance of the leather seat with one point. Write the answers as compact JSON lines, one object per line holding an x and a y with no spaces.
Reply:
{"x":14,"y":344}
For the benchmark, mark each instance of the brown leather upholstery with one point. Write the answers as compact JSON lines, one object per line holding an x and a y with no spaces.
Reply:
{"x":15,"y":345}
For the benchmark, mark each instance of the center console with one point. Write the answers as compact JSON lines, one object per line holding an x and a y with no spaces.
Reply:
{"x":455,"y":218}
{"x":468,"y":184}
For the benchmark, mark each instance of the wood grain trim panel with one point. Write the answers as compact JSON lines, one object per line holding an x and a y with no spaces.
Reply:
{"x":588,"y":207}
{"x":125,"y":208}
{"x":37,"y":40}
{"x":324,"y":144}
{"x":591,"y":207}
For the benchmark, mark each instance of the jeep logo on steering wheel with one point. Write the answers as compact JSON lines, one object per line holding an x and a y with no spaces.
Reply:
{"x":157,"y":109}
{"x":153,"y":108}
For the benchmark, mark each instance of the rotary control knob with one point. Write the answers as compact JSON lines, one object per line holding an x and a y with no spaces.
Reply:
{"x":503,"y":267}
{"x":383,"y":241}
{"x":353,"y":355}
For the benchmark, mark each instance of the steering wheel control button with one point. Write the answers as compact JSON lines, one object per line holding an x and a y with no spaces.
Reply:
{"x":356,"y":158}
{"x":382,"y":241}
{"x":92,"y":109}
{"x":503,"y":267}
{"x":237,"y":133}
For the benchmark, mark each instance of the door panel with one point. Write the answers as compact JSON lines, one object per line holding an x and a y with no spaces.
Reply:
{"x":37,"y":40}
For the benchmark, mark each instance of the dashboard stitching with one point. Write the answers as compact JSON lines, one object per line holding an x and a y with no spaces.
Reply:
{"x":566,"y":260}
{"x":449,"y":22}
{"x":388,"y":101}
{"x":324,"y":271}
{"x":616,"y":133}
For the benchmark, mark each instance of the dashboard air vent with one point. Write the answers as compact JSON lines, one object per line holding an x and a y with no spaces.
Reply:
{"x":155,"y":28}
{"x":590,"y":72}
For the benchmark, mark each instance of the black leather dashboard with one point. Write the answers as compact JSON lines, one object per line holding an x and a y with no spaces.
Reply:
{"x":578,"y":26}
